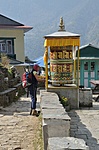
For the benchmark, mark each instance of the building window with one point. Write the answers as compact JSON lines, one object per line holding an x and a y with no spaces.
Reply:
{"x":7,"y":46}
{"x":85,"y":65}
{"x":92,"y":66}
{"x":3,"y":47}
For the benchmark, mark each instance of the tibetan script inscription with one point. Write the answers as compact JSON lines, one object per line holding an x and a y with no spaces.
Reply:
{"x":65,"y":54}
{"x":61,"y":68}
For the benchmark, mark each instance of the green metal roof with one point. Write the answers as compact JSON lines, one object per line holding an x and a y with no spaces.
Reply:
{"x":89,"y":51}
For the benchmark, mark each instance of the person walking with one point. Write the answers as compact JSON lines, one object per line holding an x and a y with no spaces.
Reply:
{"x":35,"y":78}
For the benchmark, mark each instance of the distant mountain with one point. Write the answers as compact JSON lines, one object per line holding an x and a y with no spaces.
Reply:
{"x":80,"y":16}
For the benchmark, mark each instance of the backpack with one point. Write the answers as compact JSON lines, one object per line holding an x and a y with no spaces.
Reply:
{"x":26,"y":79}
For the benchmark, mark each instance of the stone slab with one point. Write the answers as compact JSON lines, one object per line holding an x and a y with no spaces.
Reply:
{"x":57,"y":113}
{"x":66,"y":143}
{"x":51,"y":100}
{"x":57,"y":127}
{"x":7,"y":91}
{"x":50,"y":106}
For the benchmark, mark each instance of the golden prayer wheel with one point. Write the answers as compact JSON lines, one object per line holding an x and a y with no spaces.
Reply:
{"x":61,"y":64}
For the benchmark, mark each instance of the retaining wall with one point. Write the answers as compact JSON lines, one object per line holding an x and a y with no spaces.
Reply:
{"x":56,"y":124}
{"x":11,"y":95}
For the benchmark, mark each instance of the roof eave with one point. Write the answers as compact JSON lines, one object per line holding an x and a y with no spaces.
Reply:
{"x":25,"y":28}
{"x":62,"y":34}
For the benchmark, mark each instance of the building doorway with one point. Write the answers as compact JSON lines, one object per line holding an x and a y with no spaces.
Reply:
{"x":88,"y":71}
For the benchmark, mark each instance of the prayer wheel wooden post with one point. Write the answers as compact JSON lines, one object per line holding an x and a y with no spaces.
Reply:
{"x":64,"y":66}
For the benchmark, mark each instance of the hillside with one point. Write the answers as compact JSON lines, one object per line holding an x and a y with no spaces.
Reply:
{"x":80,"y":17}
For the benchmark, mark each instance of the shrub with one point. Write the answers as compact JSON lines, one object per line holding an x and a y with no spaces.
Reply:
{"x":64,"y":101}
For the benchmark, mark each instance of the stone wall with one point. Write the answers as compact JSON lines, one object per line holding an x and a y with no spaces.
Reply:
{"x":85,"y":97}
{"x":3,"y":79}
{"x":10,"y":87}
{"x":56,"y":122}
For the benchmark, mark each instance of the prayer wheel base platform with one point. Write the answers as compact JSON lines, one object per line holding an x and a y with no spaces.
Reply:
{"x":70,"y":91}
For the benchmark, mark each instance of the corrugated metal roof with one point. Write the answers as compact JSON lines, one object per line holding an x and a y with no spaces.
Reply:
{"x":7,"y":23}
{"x":23,"y":64}
{"x":40,"y":61}
{"x":13,"y":61}
{"x":88,"y":45}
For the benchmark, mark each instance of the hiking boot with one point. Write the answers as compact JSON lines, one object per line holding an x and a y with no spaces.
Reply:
{"x":31,"y":112}
{"x":34,"y":112}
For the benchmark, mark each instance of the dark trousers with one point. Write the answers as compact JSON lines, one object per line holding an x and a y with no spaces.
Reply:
{"x":33,"y":91}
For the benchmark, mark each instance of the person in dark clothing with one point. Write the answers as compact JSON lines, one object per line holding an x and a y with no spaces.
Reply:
{"x":33,"y":88}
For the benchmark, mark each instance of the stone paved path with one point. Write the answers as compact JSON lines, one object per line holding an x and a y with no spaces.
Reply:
{"x":85,"y":125}
{"x":18,"y":130}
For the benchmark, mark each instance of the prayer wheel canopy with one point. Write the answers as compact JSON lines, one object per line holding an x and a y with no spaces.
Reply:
{"x":62,"y":38}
